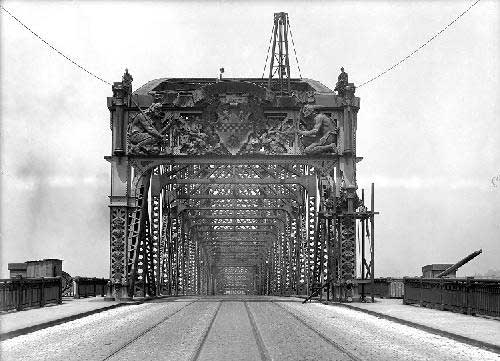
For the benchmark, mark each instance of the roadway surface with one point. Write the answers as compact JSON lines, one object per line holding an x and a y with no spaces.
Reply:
{"x":235,"y":328}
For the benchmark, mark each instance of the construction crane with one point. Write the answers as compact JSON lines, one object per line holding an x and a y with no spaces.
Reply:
{"x":280,"y":64}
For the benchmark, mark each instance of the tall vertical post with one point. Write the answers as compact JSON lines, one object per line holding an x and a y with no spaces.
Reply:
{"x":287,"y":59}
{"x":280,"y":38}
{"x":372,"y":225}
{"x":156,"y":249}
{"x":120,"y":187}
{"x":347,"y":171}
{"x":363,"y":248}
{"x":372,"y":231}
{"x":298,"y":248}
{"x":329,"y":252}
{"x":280,"y":52}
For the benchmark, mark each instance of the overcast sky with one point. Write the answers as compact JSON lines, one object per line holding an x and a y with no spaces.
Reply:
{"x":429,"y":130}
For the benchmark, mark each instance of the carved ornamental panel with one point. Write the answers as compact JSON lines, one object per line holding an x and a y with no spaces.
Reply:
{"x":231,"y":124}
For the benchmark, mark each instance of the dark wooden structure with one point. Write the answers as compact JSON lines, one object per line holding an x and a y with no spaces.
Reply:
{"x":20,"y":293}
{"x":17,"y":269}
{"x":49,"y":267}
{"x":386,"y":287}
{"x":432,"y":270}
{"x":464,"y":295}
{"x":89,"y":287}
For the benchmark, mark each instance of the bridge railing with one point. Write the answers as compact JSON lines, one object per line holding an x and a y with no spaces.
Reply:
{"x":20,"y":293}
{"x":465,"y":295}
{"x":384,"y":288}
{"x":89,"y":287}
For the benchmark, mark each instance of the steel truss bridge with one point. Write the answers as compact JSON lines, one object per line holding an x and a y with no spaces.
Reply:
{"x":237,"y":186}
{"x":250,"y":211}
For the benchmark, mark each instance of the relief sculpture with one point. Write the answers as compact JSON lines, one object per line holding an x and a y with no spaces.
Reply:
{"x":275,"y":139}
{"x":196,"y":139}
{"x":320,"y":135}
{"x":143,"y":136}
{"x":230,"y":125}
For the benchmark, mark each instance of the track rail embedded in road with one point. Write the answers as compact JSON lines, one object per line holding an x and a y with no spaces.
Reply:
{"x":264,"y":355}
{"x":205,"y":336}
{"x":320,"y":334}
{"x":134,"y":339}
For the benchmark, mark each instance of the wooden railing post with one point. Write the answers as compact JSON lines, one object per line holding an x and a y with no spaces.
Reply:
{"x":441,"y":290}
{"x":19,"y":306}
{"x":468,"y":305}
{"x":42,"y":293}
{"x":59,"y":284}
{"x":404,"y":292}
{"x":421,"y":299}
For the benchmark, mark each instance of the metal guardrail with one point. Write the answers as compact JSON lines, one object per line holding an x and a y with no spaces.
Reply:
{"x":89,"y":287}
{"x":384,"y":288}
{"x":464,"y":295}
{"x":20,"y":293}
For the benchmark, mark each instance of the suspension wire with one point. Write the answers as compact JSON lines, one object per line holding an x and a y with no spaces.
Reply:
{"x":69,"y":59}
{"x":420,"y":47}
{"x":268,"y":49}
{"x":53,"y":48}
{"x":293,"y":45}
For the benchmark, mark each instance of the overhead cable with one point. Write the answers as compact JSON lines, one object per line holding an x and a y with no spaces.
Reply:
{"x":420,"y":47}
{"x":52,"y":47}
{"x":268,"y":49}
{"x":293,"y":44}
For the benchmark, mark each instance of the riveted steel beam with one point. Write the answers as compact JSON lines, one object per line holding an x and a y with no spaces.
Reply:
{"x":232,"y":224}
{"x":242,"y":197}
{"x":143,"y":163}
{"x":308,"y":182}
{"x":280,"y":219}
{"x":182,"y":208}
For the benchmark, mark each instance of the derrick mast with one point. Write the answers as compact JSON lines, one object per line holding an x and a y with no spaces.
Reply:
{"x":280,"y":64}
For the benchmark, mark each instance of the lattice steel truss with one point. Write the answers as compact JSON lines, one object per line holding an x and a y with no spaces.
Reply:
{"x":221,"y":187}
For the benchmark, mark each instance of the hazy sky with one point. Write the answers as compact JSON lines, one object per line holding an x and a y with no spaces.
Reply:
{"x":429,"y":130}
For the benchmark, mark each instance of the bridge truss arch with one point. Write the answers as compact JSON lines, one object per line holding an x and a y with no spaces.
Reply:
{"x":225,"y":187}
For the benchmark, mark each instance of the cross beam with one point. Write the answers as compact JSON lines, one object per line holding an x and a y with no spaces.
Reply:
{"x":242,"y":197}
{"x":308,"y":182}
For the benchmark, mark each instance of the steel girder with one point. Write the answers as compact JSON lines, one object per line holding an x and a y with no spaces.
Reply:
{"x":172,"y":253}
{"x":179,"y":222}
{"x":229,"y":215}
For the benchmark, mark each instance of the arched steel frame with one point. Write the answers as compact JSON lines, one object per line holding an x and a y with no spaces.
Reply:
{"x":269,"y":224}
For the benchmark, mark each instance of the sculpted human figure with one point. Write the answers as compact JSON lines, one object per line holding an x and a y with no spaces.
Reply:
{"x":144,"y":138}
{"x":342,"y":82}
{"x":127,"y":81}
{"x":323,"y":135}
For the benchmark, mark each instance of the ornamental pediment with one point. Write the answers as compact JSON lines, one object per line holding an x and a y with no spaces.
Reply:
{"x":236,"y":117}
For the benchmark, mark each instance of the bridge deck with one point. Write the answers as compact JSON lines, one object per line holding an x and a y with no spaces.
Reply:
{"x":235,"y":328}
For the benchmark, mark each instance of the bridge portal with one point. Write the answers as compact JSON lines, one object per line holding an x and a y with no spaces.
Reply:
{"x":237,"y":186}
{"x":229,"y":186}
